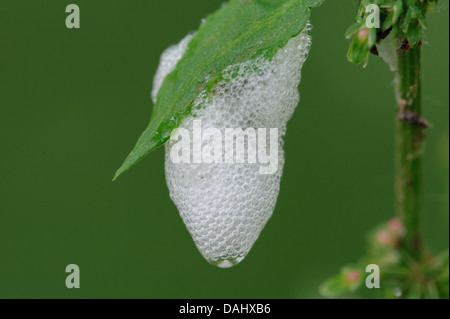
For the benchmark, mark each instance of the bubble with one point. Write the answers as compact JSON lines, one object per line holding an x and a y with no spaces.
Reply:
{"x":226,"y":210}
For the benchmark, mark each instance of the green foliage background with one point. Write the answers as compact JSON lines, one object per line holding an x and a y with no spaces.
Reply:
{"x":73,"y":102}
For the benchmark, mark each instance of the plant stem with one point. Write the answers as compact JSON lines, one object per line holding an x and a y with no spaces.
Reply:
{"x":410,"y":134}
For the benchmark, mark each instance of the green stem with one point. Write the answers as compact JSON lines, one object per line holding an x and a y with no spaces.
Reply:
{"x":409,"y":148}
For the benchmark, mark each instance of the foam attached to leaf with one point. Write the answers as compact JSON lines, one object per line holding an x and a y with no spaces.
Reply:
{"x":225,"y":206}
{"x":168,"y":62}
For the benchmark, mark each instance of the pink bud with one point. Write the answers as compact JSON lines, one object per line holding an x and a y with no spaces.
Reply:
{"x":352,"y":276}
{"x":363,"y":34}
{"x":395,"y":226}
{"x":384,"y":237}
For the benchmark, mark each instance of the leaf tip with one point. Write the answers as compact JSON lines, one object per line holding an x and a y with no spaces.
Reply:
{"x":122,"y":169}
{"x":117,"y":174}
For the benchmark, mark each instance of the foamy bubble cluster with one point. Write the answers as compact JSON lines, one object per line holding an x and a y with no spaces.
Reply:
{"x":225,"y":206}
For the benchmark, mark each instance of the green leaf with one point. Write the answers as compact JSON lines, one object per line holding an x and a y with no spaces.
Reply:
{"x":372,"y":37}
{"x":388,"y":22}
{"x":398,"y":10}
{"x":359,"y":51}
{"x":414,"y":34}
{"x":423,"y":21}
{"x":239,"y":31}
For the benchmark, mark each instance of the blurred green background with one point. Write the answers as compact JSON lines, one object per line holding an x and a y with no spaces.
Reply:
{"x":73,"y":103}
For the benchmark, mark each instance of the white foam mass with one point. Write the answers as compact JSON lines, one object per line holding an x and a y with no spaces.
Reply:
{"x":225,"y":206}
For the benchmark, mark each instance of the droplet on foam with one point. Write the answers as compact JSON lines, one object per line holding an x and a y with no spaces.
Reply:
{"x":226,"y":263}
